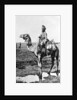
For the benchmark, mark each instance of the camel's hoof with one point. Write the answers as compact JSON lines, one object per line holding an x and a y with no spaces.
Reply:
{"x":48,"y":73}
{"x":57,"y":74}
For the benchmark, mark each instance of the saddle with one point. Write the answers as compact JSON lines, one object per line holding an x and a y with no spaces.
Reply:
{"x":43,"y":46}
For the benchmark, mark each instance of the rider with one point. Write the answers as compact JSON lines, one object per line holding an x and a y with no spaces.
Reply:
{"x":43,"y":36}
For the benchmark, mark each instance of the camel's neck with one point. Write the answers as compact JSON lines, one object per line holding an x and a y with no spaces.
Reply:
{"x":29,"y":44}
{"x":29,"y":41}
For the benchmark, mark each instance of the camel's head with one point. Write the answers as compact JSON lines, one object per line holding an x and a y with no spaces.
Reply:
{"x":25,"y":37}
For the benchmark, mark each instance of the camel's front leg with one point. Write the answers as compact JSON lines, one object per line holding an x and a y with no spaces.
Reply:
{"x":39,"y":64}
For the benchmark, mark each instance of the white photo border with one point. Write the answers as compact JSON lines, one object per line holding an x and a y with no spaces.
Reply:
{"x":65,"y":85}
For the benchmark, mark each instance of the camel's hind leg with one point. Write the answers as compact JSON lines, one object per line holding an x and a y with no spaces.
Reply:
{"x":40,"y":65}
{"x":52,"y":64}
{"x":57,"y":61}
{"x":57,"y":68}
{"x":40,"y":77}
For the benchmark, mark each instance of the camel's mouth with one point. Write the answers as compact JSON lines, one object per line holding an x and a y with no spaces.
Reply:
{"x":26,"y":39}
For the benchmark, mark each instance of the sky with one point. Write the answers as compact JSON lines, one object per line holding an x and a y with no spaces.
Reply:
{"x":32,"y":26}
